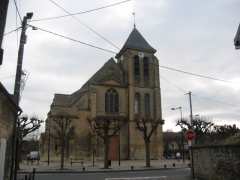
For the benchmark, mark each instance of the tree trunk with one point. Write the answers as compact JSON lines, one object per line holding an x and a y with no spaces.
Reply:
{"x":62,"y":153}
{"x":147,"y":151}
{"x":18,"y":157}
{"x":106,"y":146}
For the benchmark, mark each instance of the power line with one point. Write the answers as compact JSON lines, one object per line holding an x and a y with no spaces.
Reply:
{"x":215,"y":100}
{"x":198,"y":96}
{"x":82,"y":12}
{"x":15,"y":3}
{"x":74,"y":40}
{"x":9,"y":32}
{"x":88,"y":27}
{"x":174,"y":85}
{"x":194,"y":74}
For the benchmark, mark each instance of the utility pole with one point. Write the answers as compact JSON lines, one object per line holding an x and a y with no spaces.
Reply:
{"x":190,"y":103}
{"x":191,"y":123}
{"x":3,"y":16}
{"x":17,"y":87}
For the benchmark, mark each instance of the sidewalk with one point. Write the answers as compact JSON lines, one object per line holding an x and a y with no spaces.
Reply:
{"x":87,"y":166}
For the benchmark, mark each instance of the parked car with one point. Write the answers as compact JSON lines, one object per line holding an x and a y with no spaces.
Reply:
{"x":33,"y":155}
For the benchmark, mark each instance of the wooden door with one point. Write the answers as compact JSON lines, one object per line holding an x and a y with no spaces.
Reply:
{"x":113,"y":148}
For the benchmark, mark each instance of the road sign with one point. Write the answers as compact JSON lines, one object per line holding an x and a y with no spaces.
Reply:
{"x":190,"y":135}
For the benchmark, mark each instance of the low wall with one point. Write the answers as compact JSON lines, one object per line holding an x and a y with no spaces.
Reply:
{"x":218,"y":162}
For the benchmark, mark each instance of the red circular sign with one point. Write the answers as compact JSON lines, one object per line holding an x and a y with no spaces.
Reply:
{"x":190,"y":135}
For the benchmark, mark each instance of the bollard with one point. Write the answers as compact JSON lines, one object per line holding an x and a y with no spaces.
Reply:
{"x":173,"y":164}
{"x":165,"y":166}
{"x":132,"y":168}
{"x":83,"y":169}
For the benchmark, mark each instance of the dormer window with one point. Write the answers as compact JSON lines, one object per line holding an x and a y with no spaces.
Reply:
{"x":136,"y":68}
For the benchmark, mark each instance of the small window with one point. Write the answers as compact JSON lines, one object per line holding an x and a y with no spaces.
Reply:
{"x":136,"y":68}
{"x":146,"y":68}
{"x":147,"y":104}
{"x":137,"y":103}
{"x":111,"y":101}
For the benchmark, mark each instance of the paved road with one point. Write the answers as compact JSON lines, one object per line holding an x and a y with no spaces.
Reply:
{"x":167,"y":174}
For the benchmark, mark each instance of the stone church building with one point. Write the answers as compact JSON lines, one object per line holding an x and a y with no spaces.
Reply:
{"x":126,"y":87}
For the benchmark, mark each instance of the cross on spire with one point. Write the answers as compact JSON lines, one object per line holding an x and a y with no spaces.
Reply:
{"x":134,"y":19}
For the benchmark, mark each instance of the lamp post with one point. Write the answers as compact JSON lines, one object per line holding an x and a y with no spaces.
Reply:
{"x":182,"y":138}
{"x":237,"y":38}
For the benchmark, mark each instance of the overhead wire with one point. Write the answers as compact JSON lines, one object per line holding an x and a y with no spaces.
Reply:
{"x":195,"y":74}
{"x":72,"y":39}
{"x":202,"y":97}
{"x":9,"y":32}
{"x":82,"y":12}
{"x":177,"y":87}
{"x":84,"y":24}
{"x":16,"y":6}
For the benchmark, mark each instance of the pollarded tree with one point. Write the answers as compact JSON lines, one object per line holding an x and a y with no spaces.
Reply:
{"x":25,"y":126}
{"x":147,"y":126}
{"x":201,"y":126}
{"x":63,"y":131}
{"x":106,"y":127}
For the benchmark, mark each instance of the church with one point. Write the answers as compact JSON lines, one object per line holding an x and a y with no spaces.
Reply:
{"x":132,"y":81}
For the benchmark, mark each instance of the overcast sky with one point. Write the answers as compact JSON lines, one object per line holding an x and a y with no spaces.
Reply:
{"x":195,"y":36}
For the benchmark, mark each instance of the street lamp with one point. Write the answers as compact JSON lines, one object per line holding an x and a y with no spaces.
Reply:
{"x":237,"y":38}
{"x":181,"y":116}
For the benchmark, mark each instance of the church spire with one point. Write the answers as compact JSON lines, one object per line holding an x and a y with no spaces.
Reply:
{"x":136,"y":41}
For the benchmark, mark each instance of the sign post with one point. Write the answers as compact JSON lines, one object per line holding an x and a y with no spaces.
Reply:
{"x":190,"y":135}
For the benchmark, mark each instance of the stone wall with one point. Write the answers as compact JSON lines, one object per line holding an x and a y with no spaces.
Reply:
{"x":219,"y":162}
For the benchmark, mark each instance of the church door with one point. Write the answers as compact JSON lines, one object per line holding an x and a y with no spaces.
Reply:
{"x":113,"y":148}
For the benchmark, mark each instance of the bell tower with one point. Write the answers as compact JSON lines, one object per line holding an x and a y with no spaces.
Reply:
{"x":141,"y":74}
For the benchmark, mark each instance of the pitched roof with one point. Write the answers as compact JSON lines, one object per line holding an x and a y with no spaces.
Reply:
{"x":137,"y":42}
{"x":109,"y":71}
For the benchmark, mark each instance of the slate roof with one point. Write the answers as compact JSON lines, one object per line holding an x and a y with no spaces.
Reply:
{"x":237,"y":38}
{"x":136,"y":41}
{"x":109,"y":71}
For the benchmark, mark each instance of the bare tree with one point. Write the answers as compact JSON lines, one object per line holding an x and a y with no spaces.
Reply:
{"x":63,"y":131}
{"x":25,"y":126}
{"x":201,"y":126}
{"x":106,"y":127}
{"x":147,"y":126}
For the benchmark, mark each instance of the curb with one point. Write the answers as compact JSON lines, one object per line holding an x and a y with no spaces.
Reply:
{"x":97,"y":171}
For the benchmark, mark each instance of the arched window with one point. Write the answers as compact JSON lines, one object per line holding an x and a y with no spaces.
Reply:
{"x":147,"y":104}
{"x":146,"y":68}
{"x":111,"y":101}
{"x":136,"y":68}
{"x":137,"y":103}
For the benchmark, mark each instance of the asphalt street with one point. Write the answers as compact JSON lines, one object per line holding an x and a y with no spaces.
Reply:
{"x":165,"y":174}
